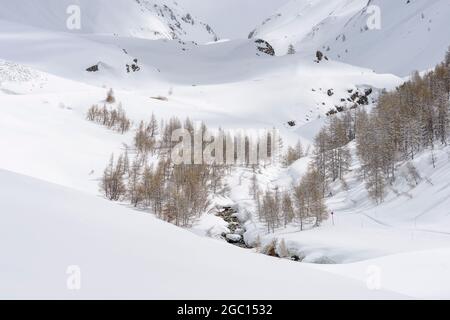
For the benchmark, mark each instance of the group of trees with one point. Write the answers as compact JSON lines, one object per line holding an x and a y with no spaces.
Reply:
{"x":147,"y":176}
{"x":414,"y":117}
{"x":309,"y":199}
{"x":112,"y":118}
{"x":200,"y":145}
{"x":303,"y":204}
{"x":146,"y":135}
{"x":406,"y":121}
{"x":332,"y":157}
{"x":177,"y":193}
{"x":293,"y":154}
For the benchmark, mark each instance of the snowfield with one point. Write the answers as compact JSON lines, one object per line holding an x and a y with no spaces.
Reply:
{"x":125,"y":254}
{"x":147,"y":19}
{"x":384,"y":35}
{"x":54,"y":219}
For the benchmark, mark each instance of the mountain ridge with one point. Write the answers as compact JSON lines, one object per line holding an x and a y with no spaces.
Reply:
{"x":148,"y":19}
{"x":387,"y":36}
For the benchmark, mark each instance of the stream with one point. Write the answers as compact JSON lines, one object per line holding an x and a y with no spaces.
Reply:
{"x":235,"y":237}
{"x":237,"y":230}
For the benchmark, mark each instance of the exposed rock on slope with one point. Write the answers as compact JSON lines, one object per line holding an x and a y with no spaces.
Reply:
{"x":149,"y":19}
{"x":387,"y":36}
{"x":265,"y":47}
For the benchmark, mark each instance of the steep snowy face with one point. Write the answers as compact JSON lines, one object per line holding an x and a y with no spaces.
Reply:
{"x":150,"y":19}
{"x":232,"y":19}
{"x":293,"y":22}
{"x":385,"y":35}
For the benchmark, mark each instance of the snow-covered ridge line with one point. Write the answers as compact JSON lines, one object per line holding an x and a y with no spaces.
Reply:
{"x":148,"y":19}
{"x":387,"y":36}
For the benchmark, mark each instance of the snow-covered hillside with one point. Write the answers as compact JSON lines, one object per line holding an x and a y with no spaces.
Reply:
{"x":149,"y":19}
{"x":53,"y":215}
{"x":406,"y":237}
{"x":384,"y":35}
{"x":291,"y":23}
{"x":232,"y":19}
{"x":124,"y":254}
{"x":209,"y":88}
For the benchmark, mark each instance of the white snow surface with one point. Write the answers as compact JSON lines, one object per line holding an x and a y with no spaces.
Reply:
{"x":232,"y":18}
{"x":149,"y":19}
{"x":406,"y":238}
{"x":407,"y":35}
{"x":125,"y":254}
{"x":52,"y":213}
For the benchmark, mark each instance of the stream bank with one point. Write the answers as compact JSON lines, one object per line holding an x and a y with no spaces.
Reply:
{"x":236,"y":228}
{"x":274,"y":247}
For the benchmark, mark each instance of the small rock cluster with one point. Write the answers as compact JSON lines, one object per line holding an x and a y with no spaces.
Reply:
{"x":134,"y":67}
{"x":235,"y":236}
{"x":356,"y":98}
{"x":265,"y":47}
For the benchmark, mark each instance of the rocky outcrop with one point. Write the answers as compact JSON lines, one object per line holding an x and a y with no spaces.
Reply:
{"x":235,"y":236}
{"x":94,"y":68}
{"x":264,"y":47}
{"x":134,"y":67}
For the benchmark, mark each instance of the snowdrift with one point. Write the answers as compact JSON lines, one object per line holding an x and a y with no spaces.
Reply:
{"x":122,"y":253}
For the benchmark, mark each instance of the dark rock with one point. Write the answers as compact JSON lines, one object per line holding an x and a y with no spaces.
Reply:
{"x":133,"y":67}
{"x":355,"y":96}
{"x":94,"y":68}
{"x":319,"y":56}
{"x":363,"y":100}
{"x":265,"y":47}
{"x":331,"y":112}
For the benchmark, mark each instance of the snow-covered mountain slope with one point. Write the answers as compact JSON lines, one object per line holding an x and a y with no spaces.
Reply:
{"x":405,"y":239}
{"x":226,"y":85}
{"x":232,"y":19}
{"x":121,"y":253}
{"x":384,"y":35}
{"x":149,"y":19}
{"x":295,"y":20}
{"x":45,"y":92}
